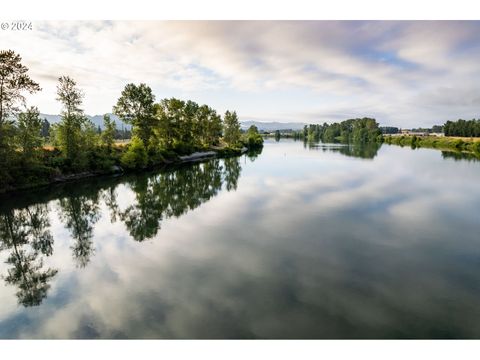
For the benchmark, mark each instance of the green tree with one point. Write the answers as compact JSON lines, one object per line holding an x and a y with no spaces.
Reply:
{"x":465,"y":128}
{"x":136,"y":107}
{"x":14,"y":82}
{"x":277,"y":135}
{"x":109,"y":131}
{"x":186,"y":127}
{"x":437,"y":128}
{"x":213,"y":127}
{"x":169,"y":113}
{"x":29,"y":138}
{"x":231,"y":128}
{"x":200,"y":126}
{"x":136,"y":155}
{"x":90,"y":138}
{"x":68,"y":133}
{"x":352,"y":130}
{"x":45,"y":132}
{"x":253,"y":139}
{"x":70,"y":96}
{"x":252,"y":130}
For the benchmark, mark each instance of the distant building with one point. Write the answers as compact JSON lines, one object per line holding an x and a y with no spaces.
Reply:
{"x":412,"y":133}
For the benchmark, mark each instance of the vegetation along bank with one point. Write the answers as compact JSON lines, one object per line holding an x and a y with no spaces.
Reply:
{"x":447,"y":143}
{"x":162,"y":132}
{"x":459,"y":136}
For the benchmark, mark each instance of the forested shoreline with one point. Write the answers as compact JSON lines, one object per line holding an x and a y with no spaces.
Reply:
{"x":359,"y":130}
{"x":161,"y":132}
{"x":367,"y":131}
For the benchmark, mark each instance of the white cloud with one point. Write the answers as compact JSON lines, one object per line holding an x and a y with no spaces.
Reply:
{"x":304,"y":71}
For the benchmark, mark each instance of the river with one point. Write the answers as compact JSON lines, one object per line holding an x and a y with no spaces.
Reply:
{"x":300,"y":241}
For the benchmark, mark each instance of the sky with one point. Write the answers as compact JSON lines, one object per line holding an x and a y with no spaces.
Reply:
{"x":403,"y":73}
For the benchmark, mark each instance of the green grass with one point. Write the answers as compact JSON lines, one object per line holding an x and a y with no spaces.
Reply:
{"x":468,"y":145}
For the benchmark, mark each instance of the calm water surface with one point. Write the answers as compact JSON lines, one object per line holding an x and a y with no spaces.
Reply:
{"x":302,"y":241}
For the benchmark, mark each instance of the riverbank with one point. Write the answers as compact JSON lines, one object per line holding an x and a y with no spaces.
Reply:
{"x":117,"y":170}
{"x":447,"y":143}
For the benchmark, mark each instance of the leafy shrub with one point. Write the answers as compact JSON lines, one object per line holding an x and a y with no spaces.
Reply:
{"x":252,"y":139}
{"x":100,"y":159}
{"x":476,"y":147}
{"x":183,"y":148}
{"x":459,"y":144}
{"x":155,"y":155}
{"x":135,"y":157}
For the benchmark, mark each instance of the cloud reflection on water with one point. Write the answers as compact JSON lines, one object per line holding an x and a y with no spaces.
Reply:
{"x":381,"y":249}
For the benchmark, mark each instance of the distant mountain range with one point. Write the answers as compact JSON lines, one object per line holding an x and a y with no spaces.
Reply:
{"x":265,"y":126}
{"x":96,"y":119}
{"x":272,"y":126}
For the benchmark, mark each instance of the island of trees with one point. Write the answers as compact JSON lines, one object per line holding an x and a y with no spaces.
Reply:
{"x":33,"y":153}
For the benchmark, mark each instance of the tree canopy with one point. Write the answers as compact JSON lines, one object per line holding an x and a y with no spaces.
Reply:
{"x":231,"y":128}
{"x":135,"y":106}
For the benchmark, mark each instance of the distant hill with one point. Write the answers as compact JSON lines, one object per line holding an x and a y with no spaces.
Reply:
{"x":272,"y":126}
{"x":96,"y":119}
{"x":265,"y":126}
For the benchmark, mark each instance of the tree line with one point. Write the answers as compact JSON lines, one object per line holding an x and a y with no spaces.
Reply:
{"x":360,"y":130}
{"x":160,"y":130}
{"x":465,"y":128}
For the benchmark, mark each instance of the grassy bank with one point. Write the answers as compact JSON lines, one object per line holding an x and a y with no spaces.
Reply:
{"x":52,"y":167}
{"x":447,"y":143}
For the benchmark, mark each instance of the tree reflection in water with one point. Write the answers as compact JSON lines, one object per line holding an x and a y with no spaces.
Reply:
{"x":460,"y":156}
{"x":358,"y":150}
{"x":25,"y":233}
{"x":173,"y":193}
{"x":80,"y":213}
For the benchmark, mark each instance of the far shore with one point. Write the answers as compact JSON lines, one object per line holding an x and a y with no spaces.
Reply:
{"x":469,"y":145}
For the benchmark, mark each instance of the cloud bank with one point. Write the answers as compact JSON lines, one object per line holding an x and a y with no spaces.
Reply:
{"x":403,"y":73}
